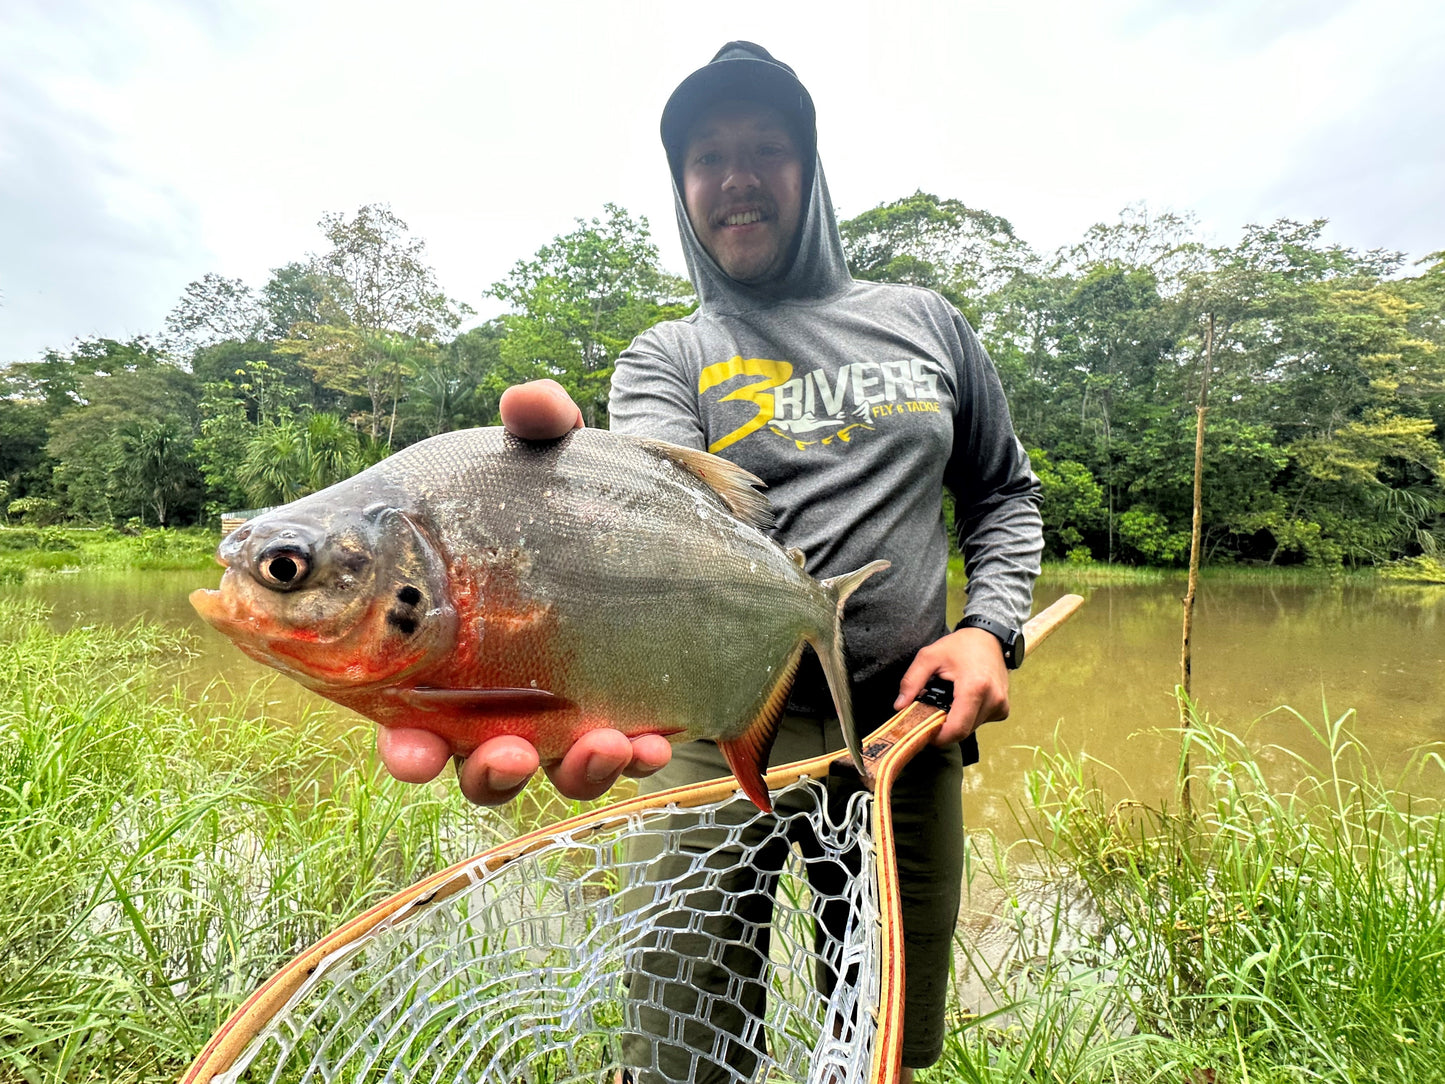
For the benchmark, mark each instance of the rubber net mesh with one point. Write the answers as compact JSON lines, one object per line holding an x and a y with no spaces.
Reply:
{"x":707,"y":944}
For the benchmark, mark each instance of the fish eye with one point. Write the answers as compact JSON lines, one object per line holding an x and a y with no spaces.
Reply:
{"x":283,"y":569}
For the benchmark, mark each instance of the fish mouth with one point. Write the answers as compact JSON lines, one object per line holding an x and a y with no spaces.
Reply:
{"x":221,"y":610}
{"x":211,"y":605}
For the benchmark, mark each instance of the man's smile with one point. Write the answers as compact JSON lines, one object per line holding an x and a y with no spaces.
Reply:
{"x":742,"y":218}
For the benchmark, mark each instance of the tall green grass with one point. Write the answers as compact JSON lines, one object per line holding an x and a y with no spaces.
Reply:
{"x":1100,"y":574}
{"x":26,"y":551}
{"x":1292,"y":929}
{"x":160,"y":856}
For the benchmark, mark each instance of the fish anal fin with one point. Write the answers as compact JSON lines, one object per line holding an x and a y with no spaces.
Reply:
{"x":747,"y":755}
{"x":735,"y":487}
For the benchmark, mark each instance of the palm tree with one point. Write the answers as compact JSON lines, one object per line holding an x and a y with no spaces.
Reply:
{"x":155,"y":464}
{"x":291,"y":459}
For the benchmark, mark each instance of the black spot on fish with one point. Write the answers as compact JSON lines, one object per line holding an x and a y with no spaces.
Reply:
{"x":409,"y":595}
{"x":404,"y":623}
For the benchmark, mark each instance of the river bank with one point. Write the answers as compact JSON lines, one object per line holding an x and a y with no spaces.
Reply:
{"x":27,"y":551}
{"x":41,"y":550}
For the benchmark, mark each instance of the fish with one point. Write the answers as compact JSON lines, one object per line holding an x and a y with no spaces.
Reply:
{"x":475,"y":584}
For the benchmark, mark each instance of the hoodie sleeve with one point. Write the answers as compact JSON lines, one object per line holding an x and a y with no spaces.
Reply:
{"x":1000,"y":531}
{"x":652,"y":396}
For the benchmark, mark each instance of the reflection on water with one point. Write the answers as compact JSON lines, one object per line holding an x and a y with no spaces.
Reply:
{"x":1104,"y":683}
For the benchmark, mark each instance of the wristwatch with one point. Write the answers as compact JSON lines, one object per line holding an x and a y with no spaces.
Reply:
{"x":1011,"y":639}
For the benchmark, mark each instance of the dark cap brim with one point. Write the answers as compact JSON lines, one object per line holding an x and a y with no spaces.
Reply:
{"x":742,"y":78}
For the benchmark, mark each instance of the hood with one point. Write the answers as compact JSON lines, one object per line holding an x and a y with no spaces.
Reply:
{"x":818,"y":270}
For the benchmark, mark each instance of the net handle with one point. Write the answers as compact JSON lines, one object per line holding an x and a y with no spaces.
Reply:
{"x":894,"y":743}
{"x":888,"y":750}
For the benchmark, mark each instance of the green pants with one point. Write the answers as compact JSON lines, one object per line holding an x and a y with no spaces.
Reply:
{"x":928,"y":823}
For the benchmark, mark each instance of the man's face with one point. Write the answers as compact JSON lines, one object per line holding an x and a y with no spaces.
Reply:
{"x":742,"y":182}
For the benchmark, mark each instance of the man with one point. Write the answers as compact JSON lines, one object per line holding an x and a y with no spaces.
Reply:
{"x":857,"y":403}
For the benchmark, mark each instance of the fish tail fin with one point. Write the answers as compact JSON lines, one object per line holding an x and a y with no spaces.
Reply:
{"x":835,"y":665}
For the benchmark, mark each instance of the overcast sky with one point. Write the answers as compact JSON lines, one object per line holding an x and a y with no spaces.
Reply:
{"x":144,"y":143}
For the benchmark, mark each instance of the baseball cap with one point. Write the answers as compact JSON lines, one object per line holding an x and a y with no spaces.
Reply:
{"x":748,"y":72}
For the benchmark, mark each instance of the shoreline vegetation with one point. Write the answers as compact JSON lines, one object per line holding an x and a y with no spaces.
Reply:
{"x":161,"y":853}
{"x":27,"y":551}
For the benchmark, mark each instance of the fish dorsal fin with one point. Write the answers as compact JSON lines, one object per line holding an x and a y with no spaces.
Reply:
{"x":734,"y":486}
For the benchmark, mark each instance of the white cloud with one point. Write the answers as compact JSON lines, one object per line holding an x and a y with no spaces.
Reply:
{"x":144,"y":143}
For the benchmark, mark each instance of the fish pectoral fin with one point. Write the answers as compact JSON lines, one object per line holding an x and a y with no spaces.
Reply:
{"x":481,"y":701}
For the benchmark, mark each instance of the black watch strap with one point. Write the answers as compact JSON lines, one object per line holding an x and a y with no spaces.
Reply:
{"x":1011,"y":639}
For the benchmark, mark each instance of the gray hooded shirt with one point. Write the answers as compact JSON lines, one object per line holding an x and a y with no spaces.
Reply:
{"x":857,"y":403}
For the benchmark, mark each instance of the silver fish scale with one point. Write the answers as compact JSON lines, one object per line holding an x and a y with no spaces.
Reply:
{"x":671,"y":607}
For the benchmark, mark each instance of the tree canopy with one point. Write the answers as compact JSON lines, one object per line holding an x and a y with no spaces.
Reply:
{"x":1323,"y":446}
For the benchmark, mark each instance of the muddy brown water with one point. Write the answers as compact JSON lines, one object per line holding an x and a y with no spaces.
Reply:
{"x":1102,"y":686}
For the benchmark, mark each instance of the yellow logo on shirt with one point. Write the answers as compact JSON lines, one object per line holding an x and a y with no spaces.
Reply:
{"x":816,"y":409}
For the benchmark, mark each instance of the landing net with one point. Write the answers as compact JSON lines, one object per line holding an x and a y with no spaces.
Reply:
{"x":575,"y":959}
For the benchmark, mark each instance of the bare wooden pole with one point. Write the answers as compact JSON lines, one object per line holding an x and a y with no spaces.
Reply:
{"x":1185,"y":657}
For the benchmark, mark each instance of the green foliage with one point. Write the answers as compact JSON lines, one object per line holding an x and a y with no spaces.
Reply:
{"x":36,"y":511}
{"x":1289,"y":930}
{"x":1147,"y":533}
{"x":460,"y":384}
{"x":19,"y":538}
{"x":50,"y":549}
{"x":943,"y":245}
{"x":1073,"y":506}
{"x":1415,"y":570}
{"x":1324,"y":438}
{"x":23,"y":423}
{"x":294,"y":457}
{"x":375,"y":277}
{"x":580,"y":301}
{"x":294,"y":295}
{"x":213,"y":309}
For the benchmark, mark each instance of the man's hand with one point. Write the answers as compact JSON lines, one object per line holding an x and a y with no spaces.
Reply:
{"x":973,"y":660}
{"x":539,"y":410}
{"x":498,"y":769}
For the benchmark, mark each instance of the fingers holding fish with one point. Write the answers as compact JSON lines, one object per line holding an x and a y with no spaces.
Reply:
{"x":497,"y":771}
{"x":598,"y":758}
{"x":539,"y":410}
{"x":412,"y":756}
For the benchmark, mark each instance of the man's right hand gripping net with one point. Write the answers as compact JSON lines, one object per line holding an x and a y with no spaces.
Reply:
{"x":681,"y":936}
